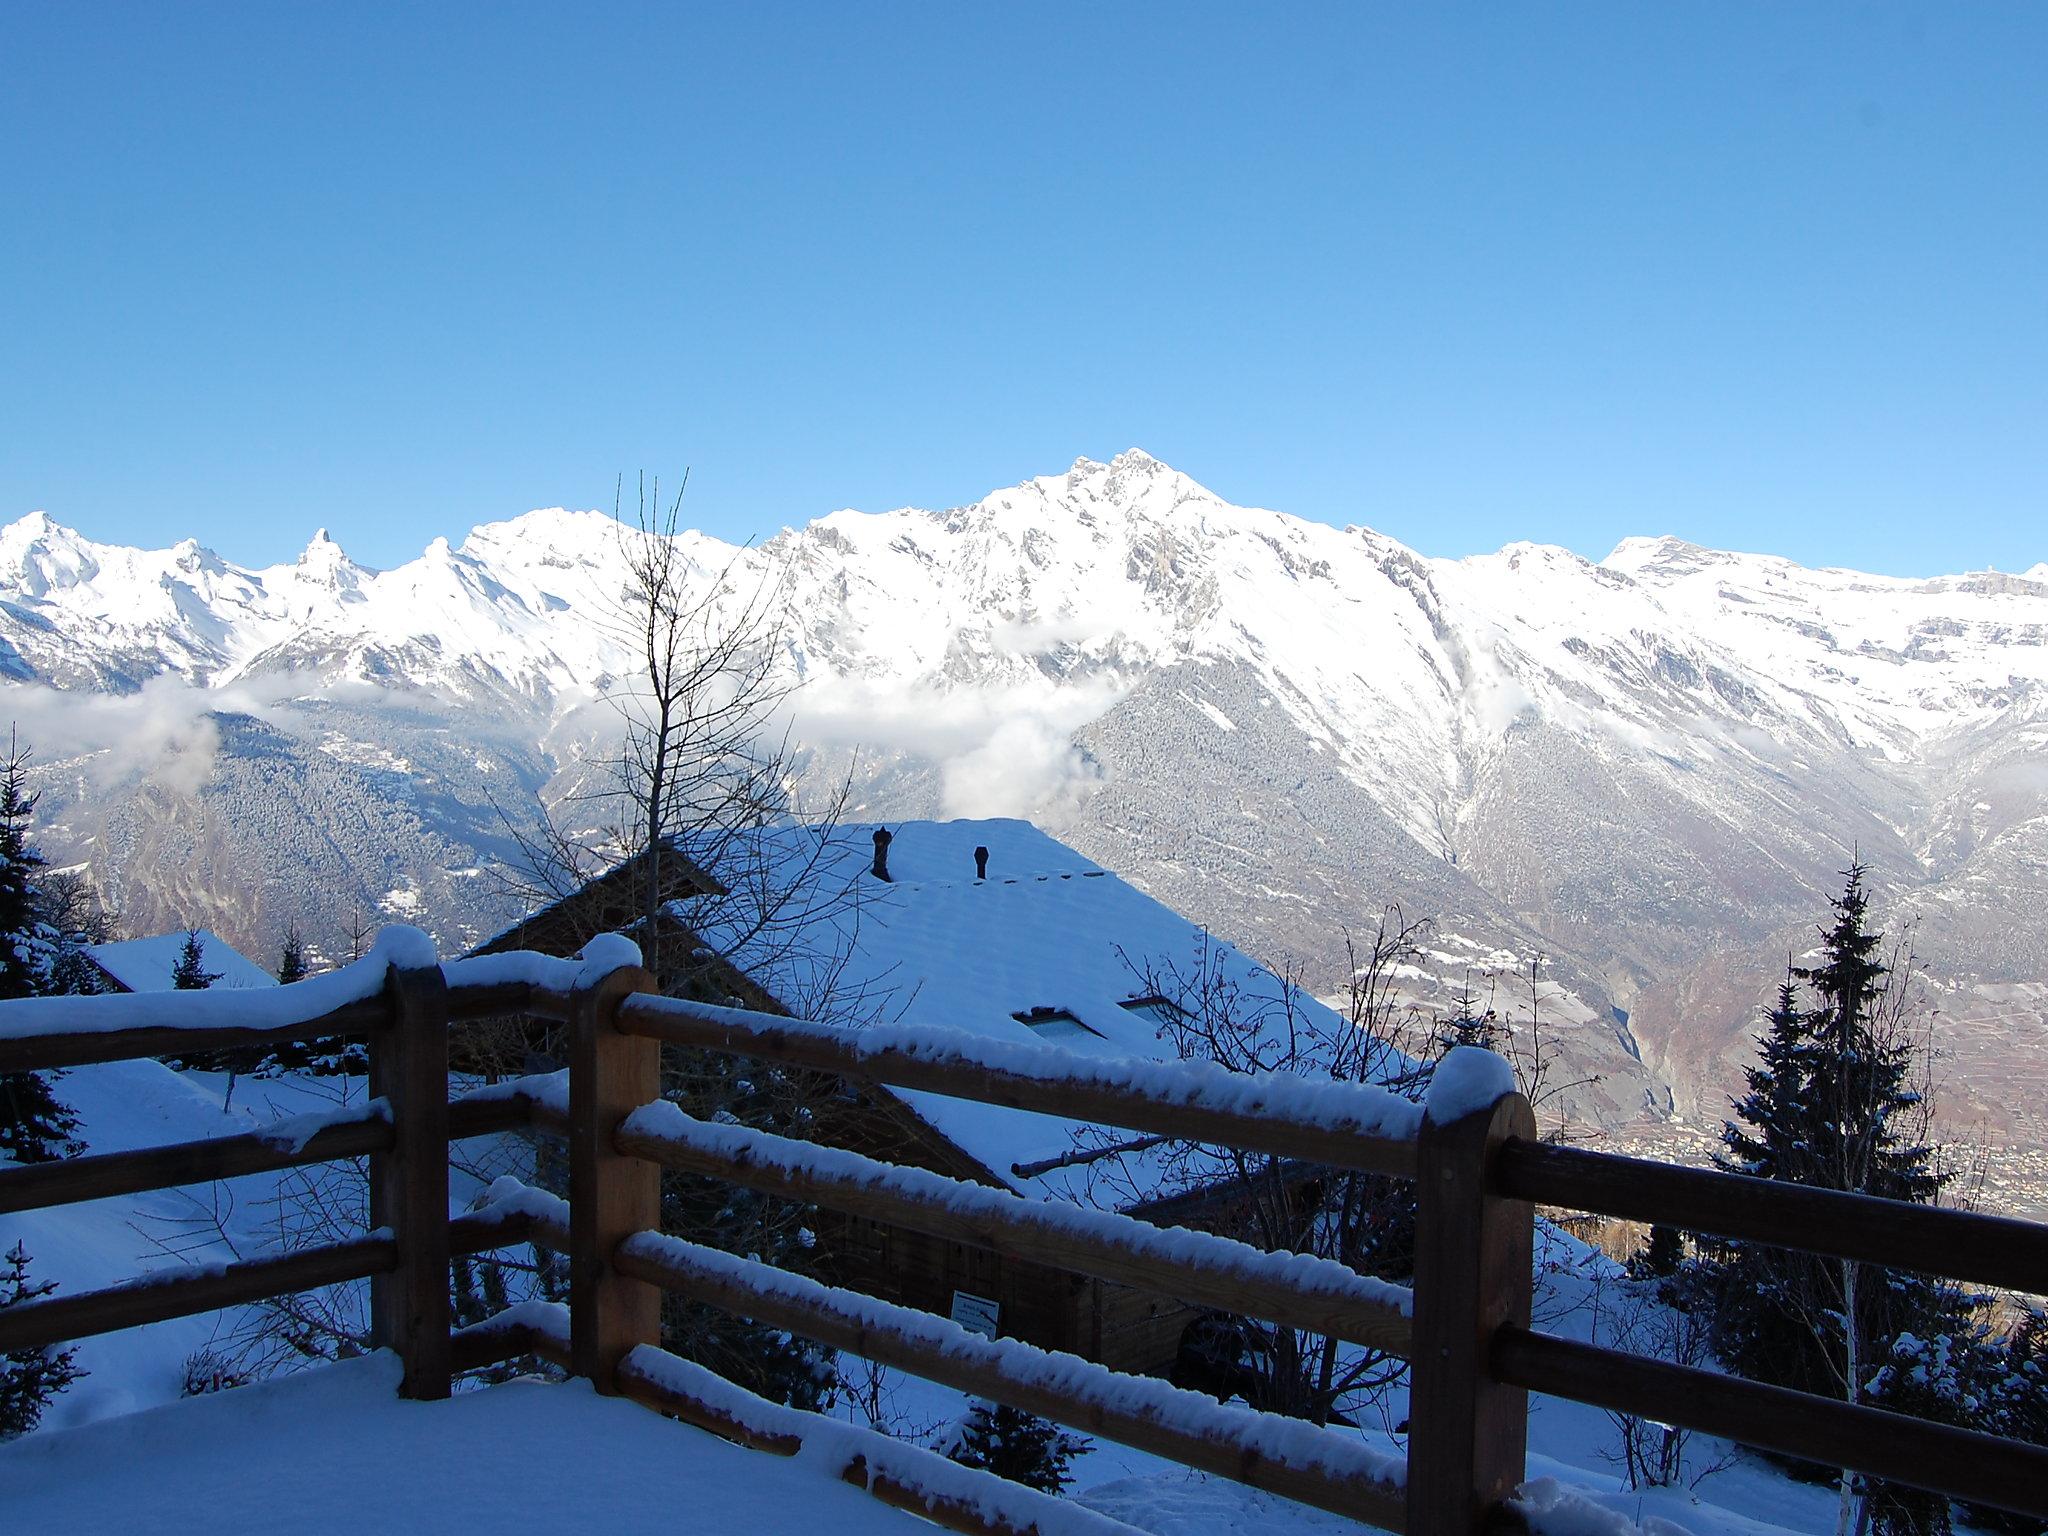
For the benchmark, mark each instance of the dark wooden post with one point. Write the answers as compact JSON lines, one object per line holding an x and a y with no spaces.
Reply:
{"x":409,"y":1308}
{"x":610,"y":1197}
{"x":1467,"y":1433}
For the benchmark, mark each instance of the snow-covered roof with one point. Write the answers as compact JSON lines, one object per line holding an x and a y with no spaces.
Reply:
{"x":147,"y":965}
{"x":1047,"y":930}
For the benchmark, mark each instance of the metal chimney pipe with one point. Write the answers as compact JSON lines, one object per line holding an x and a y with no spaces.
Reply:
{"x":981,"y":863}
{"x":882,"y":841}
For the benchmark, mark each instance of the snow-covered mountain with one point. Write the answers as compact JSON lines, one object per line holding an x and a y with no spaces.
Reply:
{"x":1649,"y":768}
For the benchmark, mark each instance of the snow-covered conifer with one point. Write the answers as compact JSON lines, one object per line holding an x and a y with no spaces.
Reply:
{"x":1017,"y":1445}
{"x":29,"y":1378}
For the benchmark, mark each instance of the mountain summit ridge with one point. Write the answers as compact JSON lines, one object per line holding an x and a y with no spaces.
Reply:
{"x":1640,"y":766}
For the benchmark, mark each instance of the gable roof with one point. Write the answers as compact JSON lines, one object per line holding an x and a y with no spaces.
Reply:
{"x":147,"y":965}
{"x":1047,"y":930}
{"x":608,"y":903}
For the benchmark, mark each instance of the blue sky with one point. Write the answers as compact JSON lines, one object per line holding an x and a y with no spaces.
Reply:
{"x":1763,"y":276}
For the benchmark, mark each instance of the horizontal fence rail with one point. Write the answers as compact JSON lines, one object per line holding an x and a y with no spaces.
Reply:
{"x":1959,"y":1463}
{"x":92,"y":1035}
{"x":1960,"y":1245}
{"x":187,"y":1290}
{"x":35,"y":1186}
{"x":1335,"y":1125}
{"x":1195,"y":1267}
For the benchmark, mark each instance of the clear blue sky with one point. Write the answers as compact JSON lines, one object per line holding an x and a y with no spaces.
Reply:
{"x":1766,"y":276}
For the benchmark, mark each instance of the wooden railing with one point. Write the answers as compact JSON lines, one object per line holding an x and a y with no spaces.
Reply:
{"x":1465,"y":1326}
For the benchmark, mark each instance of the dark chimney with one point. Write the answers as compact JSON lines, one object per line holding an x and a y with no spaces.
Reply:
{"x":882,"y":853}
{"x":981,"y":863}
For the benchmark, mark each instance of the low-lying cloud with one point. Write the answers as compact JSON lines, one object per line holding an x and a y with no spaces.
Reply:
{"x":1003,"y":750}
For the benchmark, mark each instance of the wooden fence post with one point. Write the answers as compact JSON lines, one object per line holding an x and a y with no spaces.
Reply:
{"x":1467,"y":1433}
{"x":610,"y":1196}
{"x":409,"y":1307}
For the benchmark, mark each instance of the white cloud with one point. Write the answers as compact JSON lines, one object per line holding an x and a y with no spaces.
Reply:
{"x":1001,"y":751}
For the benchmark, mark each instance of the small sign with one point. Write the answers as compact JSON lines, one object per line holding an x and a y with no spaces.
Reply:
{"x":977,"y":1314}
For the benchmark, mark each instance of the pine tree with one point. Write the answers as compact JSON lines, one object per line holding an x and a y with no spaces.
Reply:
{"x":26,"y":942}
{"x":1017,"y":1445}
{"x":291,"y":960}
{"x":34,"y":1126}
{"x":190,"y":973}
{"x":1468,"y":1023}
{"x":1661,"y":1256}
{"x":2014,"y":1383}
{"x":29,"y":1378}
{"x":1829,"y":1105}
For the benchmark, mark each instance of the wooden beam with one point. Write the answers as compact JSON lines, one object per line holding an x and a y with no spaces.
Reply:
{"x":1961,"y":1245}
{"x":1035,"y":1232}
{"x":488,"y":1117}
{"x":35,"y":1186}
{"x":1099,"y":1411}
{"x":409,"y":1304}
{"x":1959,"y":1463}
{"x":1079,"y":1096}
{"x":183,"y":1292}
{"x":1467,"y":1432}
{"x":611,"y":1196}
{"x":26,"y":1046}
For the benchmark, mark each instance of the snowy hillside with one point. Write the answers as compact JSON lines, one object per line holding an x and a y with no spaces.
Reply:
{"x":1649,"y":769}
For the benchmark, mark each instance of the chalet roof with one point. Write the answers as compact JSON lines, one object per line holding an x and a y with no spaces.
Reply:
{"x":1049,"y":930}
{"x":147,"y":965}
{"x":609,"y":903}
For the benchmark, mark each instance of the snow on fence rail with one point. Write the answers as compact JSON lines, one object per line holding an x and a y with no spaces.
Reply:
{"x":1474,"y":1156}
{"x":1337,"y":1125}
{"x":1291,"y":1288}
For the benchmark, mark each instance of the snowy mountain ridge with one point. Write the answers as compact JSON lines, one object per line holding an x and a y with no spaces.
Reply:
{"x":1649,"y":768}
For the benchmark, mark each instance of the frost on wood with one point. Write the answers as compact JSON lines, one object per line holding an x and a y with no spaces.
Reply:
{"x":1344,"y":1107}
{"x":604,"y":954}
{"x":548,"y":972}
{"x":227,"y":1008}
{"x":837,"y":1449}
{"x":1468,"y":1080}
{"x":548,"y":1319}
{"x":549,"y":1090}
{"x":508,"y":1197}
{"x":1302,"y":1273}
{"x":293,"y":1132}
{"x":1288,"y":1443}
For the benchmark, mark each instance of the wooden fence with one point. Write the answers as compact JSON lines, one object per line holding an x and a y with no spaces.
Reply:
{"x":1465,"y":1327}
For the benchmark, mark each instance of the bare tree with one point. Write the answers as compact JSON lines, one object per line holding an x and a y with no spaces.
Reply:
{"x":737,"y":890}
{"x":701,"y":799}
{"x":1258,"y":1023}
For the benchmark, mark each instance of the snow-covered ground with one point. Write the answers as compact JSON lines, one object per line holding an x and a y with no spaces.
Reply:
{"x":336,"y":1450}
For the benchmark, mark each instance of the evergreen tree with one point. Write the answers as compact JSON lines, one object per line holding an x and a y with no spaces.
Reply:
{"x":26,"y":941}
{"x":1661,"y":1256}
{"x":293,"y":1055}
{"x":190,"y":974}
{"x":1017,"y":1445}
{"x":1468,"y":1023}
{"x":1829,"y":1105}
{"x":2014,"y":1383}
{"x":34,"y":1126}
{"x":291,"y":960}
{"x":29,"y":1378}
